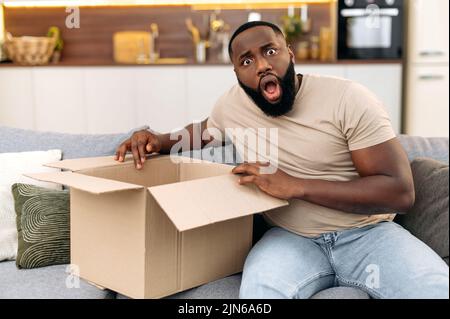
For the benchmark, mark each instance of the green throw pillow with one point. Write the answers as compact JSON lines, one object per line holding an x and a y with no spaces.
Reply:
{"x":43,"y":226}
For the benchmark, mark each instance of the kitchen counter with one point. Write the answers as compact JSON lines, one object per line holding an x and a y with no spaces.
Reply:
{"x":86,"y":62}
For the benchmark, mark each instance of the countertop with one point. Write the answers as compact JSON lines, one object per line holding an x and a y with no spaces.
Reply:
{"x":85,"y":62}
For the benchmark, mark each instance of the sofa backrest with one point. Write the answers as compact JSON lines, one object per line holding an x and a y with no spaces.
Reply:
{"x":88,"y":145}
{"x":72,"y":145}
{"x":432,"y":147}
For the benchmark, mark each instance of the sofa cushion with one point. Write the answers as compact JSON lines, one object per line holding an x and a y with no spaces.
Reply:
{"x":51,"y":282}
{"x":341,"y":293}
{"x":43,"y":226}
{"x":72,"y":145}
{"x":228,"y":288}
{"x":428,"y":219}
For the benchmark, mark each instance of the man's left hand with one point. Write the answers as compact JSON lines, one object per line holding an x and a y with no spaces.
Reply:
{"x":278,"y":183}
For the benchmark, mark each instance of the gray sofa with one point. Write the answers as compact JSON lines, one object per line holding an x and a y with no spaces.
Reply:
{"x":50,"y":282}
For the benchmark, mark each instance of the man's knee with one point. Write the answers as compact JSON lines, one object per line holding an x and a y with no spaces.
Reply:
{"x":261,"y":286}
{"x":430,"y":286}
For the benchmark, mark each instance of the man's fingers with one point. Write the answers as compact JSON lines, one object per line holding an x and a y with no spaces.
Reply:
{"x":252,"y":179}
{"x":136,"y":156}
{"x":141,"y":150}
{"x":139,"y":144}
{"x":120,"y":153}
{"x":151,"y":146}
{"x":249,"y":169}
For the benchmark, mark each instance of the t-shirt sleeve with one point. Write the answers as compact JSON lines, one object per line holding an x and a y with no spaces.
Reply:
{"x":364,"y":120}
{"x":216,"y":120}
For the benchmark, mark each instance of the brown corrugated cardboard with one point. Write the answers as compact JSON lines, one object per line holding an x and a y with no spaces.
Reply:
{"x":149,"y":233}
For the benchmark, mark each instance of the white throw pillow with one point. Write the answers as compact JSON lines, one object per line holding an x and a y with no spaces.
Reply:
{"x":12,"y":168}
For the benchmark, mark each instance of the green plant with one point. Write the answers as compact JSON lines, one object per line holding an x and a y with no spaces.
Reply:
{"x":54,"y":32}
{"x":292,"y":27}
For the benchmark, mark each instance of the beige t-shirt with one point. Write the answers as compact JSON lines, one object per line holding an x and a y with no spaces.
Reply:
{"x":330,"y":117}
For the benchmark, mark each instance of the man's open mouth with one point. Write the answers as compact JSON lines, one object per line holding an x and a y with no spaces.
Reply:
{"x":270,"y":87}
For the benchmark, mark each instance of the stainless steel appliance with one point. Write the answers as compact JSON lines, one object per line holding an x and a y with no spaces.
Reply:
{"x":370,"y":29}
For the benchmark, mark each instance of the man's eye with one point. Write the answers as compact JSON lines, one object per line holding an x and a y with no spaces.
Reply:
{"x":271,"y":52}
{"x":246,"y":62}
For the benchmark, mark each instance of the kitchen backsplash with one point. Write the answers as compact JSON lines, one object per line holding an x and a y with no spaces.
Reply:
{"x":93,"y":40}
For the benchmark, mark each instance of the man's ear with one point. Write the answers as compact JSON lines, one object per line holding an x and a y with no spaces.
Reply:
{"x":291,"y":53}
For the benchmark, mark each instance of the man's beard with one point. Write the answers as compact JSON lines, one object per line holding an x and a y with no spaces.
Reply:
{"x":286,"y":102}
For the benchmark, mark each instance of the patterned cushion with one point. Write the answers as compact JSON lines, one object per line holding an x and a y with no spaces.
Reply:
{"x":43,"y":226}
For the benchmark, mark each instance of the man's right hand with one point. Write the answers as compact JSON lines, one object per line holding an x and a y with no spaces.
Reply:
{"x":140,"y":143}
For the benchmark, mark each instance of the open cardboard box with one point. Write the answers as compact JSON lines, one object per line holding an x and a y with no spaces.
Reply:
{"x":176,"y":224}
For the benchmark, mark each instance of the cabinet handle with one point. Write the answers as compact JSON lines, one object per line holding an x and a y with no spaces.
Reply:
{"x":431,"y":77}
{"x":432,"y":53}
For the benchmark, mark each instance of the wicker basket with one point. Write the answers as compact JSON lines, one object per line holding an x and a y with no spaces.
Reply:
{"x":29,"y":50}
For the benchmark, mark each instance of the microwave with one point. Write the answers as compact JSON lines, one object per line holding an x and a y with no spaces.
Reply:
{"x":370,"y":29}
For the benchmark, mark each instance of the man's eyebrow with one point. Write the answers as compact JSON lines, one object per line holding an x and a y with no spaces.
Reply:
{"x":269,"y":44}
{"x":244,"y":54}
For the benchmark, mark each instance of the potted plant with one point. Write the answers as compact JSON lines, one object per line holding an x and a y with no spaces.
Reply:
{"x":292,"y":27}
{"x":59,"y":43}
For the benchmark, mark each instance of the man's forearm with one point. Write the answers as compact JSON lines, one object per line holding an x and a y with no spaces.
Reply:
{"x":367,"y":195}
{"x":194,"y":131}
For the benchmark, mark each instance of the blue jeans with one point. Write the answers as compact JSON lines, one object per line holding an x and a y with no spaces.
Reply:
{"x":383,"y":259}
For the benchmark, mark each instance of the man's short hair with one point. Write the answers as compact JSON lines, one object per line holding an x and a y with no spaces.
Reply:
{"x":249,"y":25}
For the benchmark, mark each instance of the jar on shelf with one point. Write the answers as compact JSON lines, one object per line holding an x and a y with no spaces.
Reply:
{"x":303,"y":50}
{"x":314,"y":48}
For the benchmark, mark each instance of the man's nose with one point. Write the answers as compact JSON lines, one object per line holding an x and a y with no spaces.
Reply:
{"x":263,"y":66}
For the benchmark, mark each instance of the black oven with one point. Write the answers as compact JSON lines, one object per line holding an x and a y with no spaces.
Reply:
{"x":370,"y":29}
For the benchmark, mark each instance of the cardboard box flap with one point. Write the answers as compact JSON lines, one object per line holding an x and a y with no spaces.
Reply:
{"x":94,"y":185}
{"x":85,"y":163}
{"x":200,"y":202}
{"x":89,"y":162}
